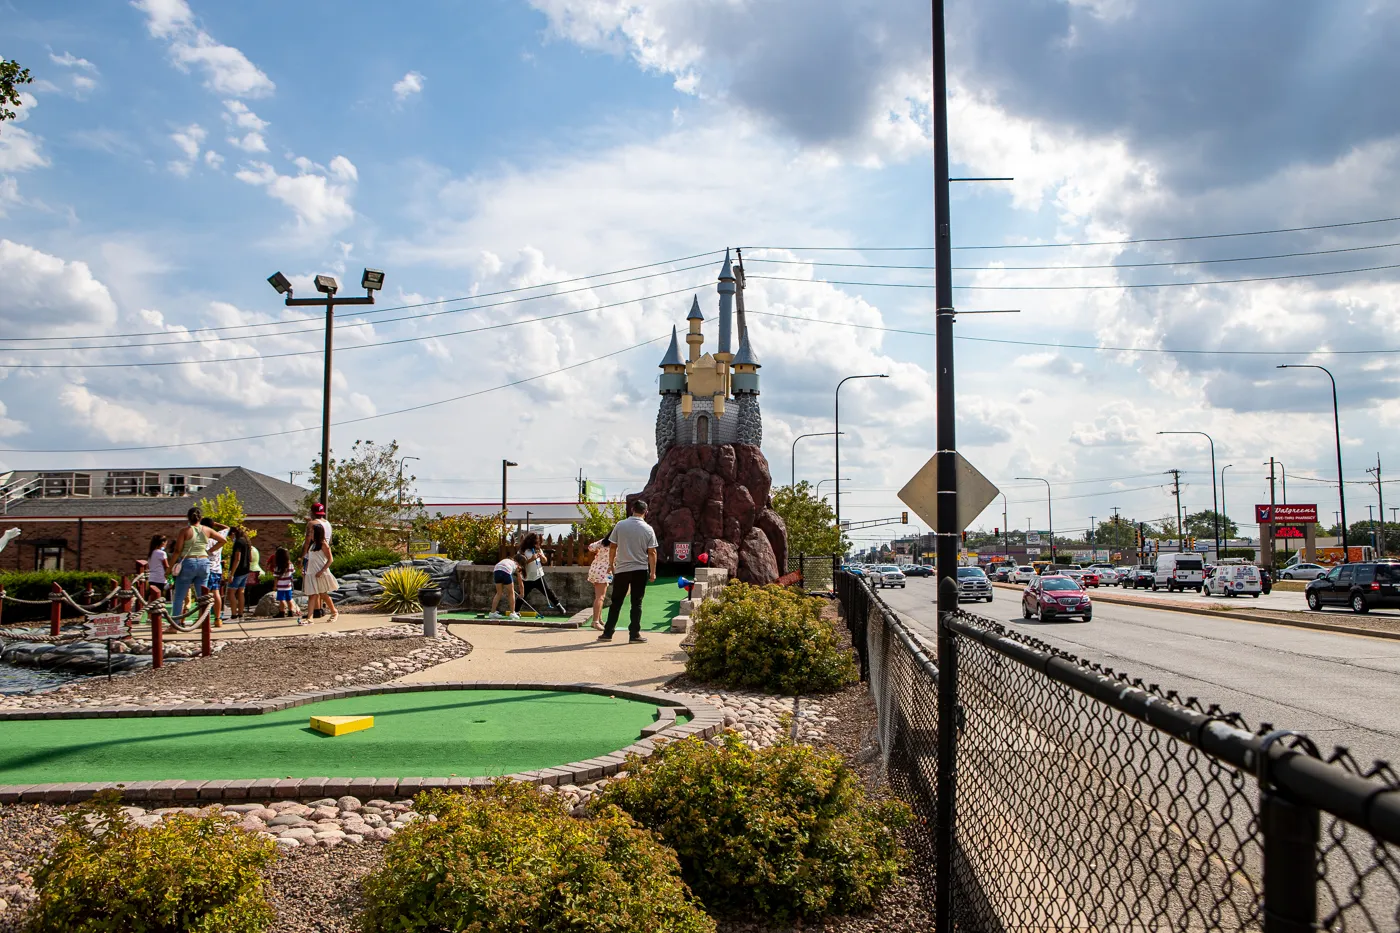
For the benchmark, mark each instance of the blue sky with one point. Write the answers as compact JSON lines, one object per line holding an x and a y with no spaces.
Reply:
{"x":173,"y":154}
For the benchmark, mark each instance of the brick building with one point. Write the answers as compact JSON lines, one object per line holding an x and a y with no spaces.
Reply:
{"x":104,"y":519}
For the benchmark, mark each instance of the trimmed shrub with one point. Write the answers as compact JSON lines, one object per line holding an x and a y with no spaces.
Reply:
{"x":36,"y":584}
{"x":185,"y":873}
{"x":768,"y":638}
{"x":511,"y":859}
{"x":368,"y":559}
{"x":401,"y":586}
{"x":786,"y":831}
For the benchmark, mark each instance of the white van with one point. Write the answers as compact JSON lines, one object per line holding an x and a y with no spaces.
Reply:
{"x":1235,"y":580}
{"x":1184,"y":571}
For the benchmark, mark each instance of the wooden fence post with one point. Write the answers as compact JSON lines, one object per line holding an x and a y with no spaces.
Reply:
{"x":55,"y":610}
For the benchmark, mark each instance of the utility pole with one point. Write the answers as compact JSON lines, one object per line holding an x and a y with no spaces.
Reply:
{"x":1380,"y":496}
{"x":1089,"y":539}
{"x":1005,"y":529}
{"x":1176,"y":491}
{"x":1270,"y":529}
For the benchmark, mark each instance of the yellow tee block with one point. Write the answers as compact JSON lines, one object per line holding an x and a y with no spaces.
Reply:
{"x":340,"y":725}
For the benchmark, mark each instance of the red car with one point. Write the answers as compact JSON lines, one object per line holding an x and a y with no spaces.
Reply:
{"x":1054,"y":596}
{"x":1090,"y":578}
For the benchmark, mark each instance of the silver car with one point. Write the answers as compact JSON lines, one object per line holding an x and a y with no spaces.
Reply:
{"x":973,"y":584}
{"x":1303,"y":572}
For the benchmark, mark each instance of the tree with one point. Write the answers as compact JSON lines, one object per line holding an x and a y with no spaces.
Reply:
{"x":811,"y":524}
{"x":466,"y":537}
{"x":1122,"y":536}
{"x":226,"y":510}
{"x":365,"y":499}
{"x":599,"y":518}
{"x":1202,"y":525}
{"x":11,"y":77}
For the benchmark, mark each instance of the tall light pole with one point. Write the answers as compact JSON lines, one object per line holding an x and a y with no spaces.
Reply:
{"x":372,"y":280}
{"x":837,"y":432}
{"x":407,"y":537}
{"x":505,"y":504}
{"x":799,"y":437}
{"x":1337,"y":429}
{"x":1214,"y":499}
{"x":1224,"y":511}
{"x":1049,"y":511}
{"x":820,"y":484}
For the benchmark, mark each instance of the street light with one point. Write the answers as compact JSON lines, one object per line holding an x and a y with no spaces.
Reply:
{"x":1049,"y":513}
{"x":372,"y":281}
{"x":1214,"y":500}
{"x":1337,"y":428}
{"x":407,"y":539}
{"x":838,"y":436}
{"x":799,"y":437}
{"x":1223,"y":509}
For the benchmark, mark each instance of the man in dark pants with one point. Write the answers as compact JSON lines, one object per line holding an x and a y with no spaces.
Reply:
{"x":632,"y":563}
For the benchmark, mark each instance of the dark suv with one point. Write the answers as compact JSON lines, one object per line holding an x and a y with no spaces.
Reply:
{"x":1363,"y":587}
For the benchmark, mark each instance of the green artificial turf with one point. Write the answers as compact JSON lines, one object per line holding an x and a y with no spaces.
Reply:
{"x":467,"y":733}
{"x":661,"y":604}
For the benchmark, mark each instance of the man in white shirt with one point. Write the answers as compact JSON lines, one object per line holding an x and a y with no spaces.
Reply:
{"x":632,"y":562}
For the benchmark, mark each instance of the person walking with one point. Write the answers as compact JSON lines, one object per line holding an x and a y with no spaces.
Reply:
{"x":632,"y":563}
{"x":318,"y":583}
{"x":240,"y":566}
{"x":157,"y":567}
{"x":599,"y":576}
{"x":506,"y":575}
{"x":286,"y":600}
{"x":191,"y":549}
{"x":216,"y":569}
{"x":532,"y":561}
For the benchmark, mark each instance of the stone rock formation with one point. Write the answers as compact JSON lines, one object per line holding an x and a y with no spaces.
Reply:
{"x":715,"y":498}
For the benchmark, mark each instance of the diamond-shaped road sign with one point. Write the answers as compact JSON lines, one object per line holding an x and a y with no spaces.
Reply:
{"x":975,"y":492}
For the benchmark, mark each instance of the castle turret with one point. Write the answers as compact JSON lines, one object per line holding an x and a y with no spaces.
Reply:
{"x":673,"y":368}
{"x":725,"y":350}
{"x":694,"y":339}
{"x":746,"y":366}
{"x":749,"y":429}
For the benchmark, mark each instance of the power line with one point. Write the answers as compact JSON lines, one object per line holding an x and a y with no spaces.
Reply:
{"x":1072,"y":346}
{"x":1161,"y":239}
{"x":421,"y":304}
{"x":1044,"y":288}
{"x":1111,"y":265}
{"x":386,"y":414}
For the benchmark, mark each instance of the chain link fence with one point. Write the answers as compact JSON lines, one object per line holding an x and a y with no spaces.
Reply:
{"x":1087,"y":800}
{"x":818,"y":571}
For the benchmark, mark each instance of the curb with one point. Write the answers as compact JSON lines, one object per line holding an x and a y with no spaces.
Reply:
{"x":1235,"y":615}
{"x":705,"y":721}
{"x":537,"y":622}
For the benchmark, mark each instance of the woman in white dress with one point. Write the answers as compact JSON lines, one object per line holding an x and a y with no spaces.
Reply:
{"x":318,"y":583}
{"x":598,"y":575}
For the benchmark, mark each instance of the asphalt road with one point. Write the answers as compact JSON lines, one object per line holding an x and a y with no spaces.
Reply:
{"x":1340,"y":689}
{"x":1283,"y":600}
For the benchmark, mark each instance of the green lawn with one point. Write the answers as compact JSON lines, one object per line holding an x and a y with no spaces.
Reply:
{"x":661,"y":605}
{"x":467,"y":733}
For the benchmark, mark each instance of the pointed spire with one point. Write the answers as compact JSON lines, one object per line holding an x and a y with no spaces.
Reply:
{"x":673,"y":355}
{"x":695,"y":314}
{"x":727,"y":273}
{"x":746,"y":356}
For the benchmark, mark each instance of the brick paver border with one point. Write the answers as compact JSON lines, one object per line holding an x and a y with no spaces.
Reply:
{"x":705,"y":721}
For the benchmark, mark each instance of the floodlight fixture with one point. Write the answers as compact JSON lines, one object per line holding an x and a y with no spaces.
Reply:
{"x":279,"y":281}
{"x":326,"y":285}
{"x":372,"y":280}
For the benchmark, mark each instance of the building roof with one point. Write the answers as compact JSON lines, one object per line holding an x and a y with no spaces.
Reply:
{"x":673,"y":355}
{"x":258,"y":493}
{"x":746,"y":356}
{"x":695,"y":314}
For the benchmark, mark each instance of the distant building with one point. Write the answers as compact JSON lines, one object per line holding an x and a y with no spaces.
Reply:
{"x":103,"y":519}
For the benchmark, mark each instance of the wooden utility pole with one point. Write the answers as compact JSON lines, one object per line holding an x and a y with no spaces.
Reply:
{"x":1380,"y":495}
{"x":1176,"y":491}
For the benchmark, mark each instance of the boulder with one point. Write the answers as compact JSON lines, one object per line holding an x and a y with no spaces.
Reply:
{"x":757,"y":563}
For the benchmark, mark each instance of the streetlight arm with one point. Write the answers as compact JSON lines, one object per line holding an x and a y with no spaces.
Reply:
{"x":1337,"y":429}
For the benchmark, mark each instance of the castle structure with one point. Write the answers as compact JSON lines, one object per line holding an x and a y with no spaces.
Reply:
{"x":711,"y":398}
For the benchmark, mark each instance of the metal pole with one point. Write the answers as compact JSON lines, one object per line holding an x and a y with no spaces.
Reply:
{"x":326,"y":397}
{"x":1290,"y":834}
{"x":1214,"y":501}
{"x":793,"y":482}
{"x":1269,"y":526}
{"x":1224,"y":509}
{"x":837,"y":433}
{"x":1337,"y":429}
{"x":1380,"y":496}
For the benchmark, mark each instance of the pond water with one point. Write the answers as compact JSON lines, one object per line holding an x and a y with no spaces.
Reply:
{"x":14,"y":679}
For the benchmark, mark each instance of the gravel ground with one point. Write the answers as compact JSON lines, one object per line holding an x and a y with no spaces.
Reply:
{"x":257,"y":668}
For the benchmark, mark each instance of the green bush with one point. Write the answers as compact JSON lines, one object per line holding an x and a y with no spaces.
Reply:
{"x":786,"y":832}
{"x":184,"y":874}
{"x":511,"y":859}
{"x":367,"y":559}
{"x":401,"y":586}
{"x":36,"y":584}
{"x":768,"y":638}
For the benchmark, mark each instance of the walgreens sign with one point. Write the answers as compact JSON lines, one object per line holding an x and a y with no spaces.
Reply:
{"x":1268,"y":514}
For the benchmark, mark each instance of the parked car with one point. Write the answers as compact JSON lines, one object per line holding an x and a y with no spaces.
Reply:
{"x":1363,"y":587}
{"x":1054,"y":596}
{"x":1144,"y":578}
{"x":1181,"y":571}
{"x":888,"y":575}
{"x":1303,"y":572}
{"x":973,"y":584}
{"x":1125,"y":575}
{"x":1090,"y":577}
{"x":918,"y":570}
{"x":1234,"y":580}
{"x":1024,"y":574}
{"x":1074,"y":573}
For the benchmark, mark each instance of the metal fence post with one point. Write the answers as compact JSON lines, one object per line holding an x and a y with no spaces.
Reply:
{"x":944,"y":803}
{"x":1290,"y":863}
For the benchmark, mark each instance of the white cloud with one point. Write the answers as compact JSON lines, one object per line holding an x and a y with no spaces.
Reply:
{"x":110,"y":420}
{"x":227,"y":71}
{"x":320,"y":197}
{"x":20,"y":149}
{"x":69,"y":60}
{"x":408,"y":85}
{"x":239,"y":117}
{"x":8,"y":426}
{"x":188,"y":140}
{"x":213,"y":159}
{"x":43,"y":294}
{"x":82,"y":77}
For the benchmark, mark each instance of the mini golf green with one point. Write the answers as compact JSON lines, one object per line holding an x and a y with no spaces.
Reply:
{"x":661,"y":604}
{"x":466,"y":733}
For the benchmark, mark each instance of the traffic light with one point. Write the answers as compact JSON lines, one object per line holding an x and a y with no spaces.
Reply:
{"x":964,"y":538}
{"x":995,"y":531}
{"x":904,"y":518}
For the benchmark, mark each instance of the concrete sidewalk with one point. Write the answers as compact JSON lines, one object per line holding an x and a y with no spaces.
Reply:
{"x":281,"y":628}
{"x":566,"y":655}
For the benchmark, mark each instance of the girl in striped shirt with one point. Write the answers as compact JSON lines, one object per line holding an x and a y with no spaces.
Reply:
{"x":282,"y":570}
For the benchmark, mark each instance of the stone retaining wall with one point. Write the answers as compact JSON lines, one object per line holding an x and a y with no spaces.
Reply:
{"x":705,"y":721}
{"x":568,"y":584}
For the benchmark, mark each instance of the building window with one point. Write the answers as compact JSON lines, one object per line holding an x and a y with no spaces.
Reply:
{"x":702,"y":429}
{"x":48,"y":557}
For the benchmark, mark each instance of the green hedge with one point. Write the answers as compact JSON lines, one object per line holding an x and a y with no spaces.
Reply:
{"x":784,"y":832}
{"x":768,"y":638}
{"x":510,"y":859}
{"x":368,"y":559}
{"x":36,"y":584}
{"x":185,"y":873}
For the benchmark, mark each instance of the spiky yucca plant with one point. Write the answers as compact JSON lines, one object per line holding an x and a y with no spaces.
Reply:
{"x":401,"y":586}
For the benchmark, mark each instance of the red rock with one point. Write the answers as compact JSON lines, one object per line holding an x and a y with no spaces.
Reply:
{"x":723,"y":554}
{"x":680,"y":525}
{"x":757,"y":563}
{"x":776,"y":529}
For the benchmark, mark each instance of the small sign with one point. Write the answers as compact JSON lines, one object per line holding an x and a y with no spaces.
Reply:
{"x":975,"y":492}
{"x":594,"y":491}
{"x":1032,"y":551}
{"x":682,"y":550}
{"x":1288,"y":531}
{"x":1032,"y":537}
{"x":108,"y":626}
{"x":1268,"y":514}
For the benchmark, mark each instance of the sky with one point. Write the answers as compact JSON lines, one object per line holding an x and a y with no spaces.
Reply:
{"x":587,"y":162}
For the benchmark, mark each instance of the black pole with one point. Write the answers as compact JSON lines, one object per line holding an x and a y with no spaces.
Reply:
{"x":1050,"y":517}
{"x":947,"y":530}
{"x":1214,"y":502}
{"x":326,"y":397}
{"x":838,"y":467}
{"x":1341,"y":483}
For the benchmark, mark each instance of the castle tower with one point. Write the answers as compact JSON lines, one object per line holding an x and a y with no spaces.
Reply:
{"x":694,"y":339}
{"x":672,"y":388}
{"x":724,"y":353}
{"x":746,"y":366}
{"x":673,"y":368}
